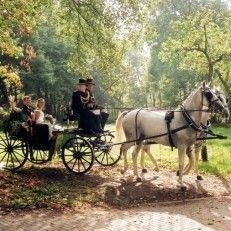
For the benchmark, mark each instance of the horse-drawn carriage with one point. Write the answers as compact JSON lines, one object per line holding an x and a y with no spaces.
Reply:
{"x":79,"y":150}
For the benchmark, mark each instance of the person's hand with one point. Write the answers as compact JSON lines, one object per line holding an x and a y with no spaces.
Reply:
{"x":90,"y":105}
{"x":99,"y":107}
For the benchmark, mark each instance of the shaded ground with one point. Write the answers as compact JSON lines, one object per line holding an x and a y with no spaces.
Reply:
{"x":54,"y":188}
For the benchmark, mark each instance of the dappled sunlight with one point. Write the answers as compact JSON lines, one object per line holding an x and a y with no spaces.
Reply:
{"x":156,"y":221}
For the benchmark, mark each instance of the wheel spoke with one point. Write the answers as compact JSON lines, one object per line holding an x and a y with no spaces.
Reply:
{"x":13,"y":142}
{"x":2,"y":152}
{"x":111,"y":157}
{"x":103,"y":156}
{"x":7,"y":160}
{"x":16,"y":157}
{"x":41,"y":155}
{"x":6,"y":143}
{"x":70,"y":160}
{"x":107,"y":158}
{"x":19,"y":153}
{"x":78,"y":166}
{"x":12,"y":160}
{"x":85,"y":149}
{"x":3,"y":145}
{"x":83,"y":164}
{"x":86,"y":160}
{"x":73,"y":151}
{"x":74,"y":164}
{"x":3,"y":157}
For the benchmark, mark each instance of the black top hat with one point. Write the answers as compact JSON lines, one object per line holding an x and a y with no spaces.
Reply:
{"x":90,"y":81}
{"x":82,"y":82}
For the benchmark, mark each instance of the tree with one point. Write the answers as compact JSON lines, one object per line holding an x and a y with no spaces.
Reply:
{"x":17,"y":18}
{"x":200,"y":41}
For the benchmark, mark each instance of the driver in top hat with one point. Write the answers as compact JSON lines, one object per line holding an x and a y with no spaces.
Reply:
{"x":80,"y":105}
{"x":92,"y":104}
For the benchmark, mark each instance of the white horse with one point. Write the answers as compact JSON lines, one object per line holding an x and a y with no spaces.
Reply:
{"x":139,"y":125}
{"x":193,"y":156}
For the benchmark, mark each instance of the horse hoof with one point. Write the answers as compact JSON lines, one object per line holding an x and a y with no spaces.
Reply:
{"x":199,"y":178}
{"x":144,"y":170}
{"x":177,"y":173}
{"x":138,"y":179}
{"x":183,"y":188}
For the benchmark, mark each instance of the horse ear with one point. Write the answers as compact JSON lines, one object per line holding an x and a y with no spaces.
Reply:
{"x":204,"y":84}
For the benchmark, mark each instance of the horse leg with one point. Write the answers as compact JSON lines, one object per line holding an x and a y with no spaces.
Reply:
{"x":143,"y":150}
{"x":197,"y":153}
{"x":134,"y":158}
{"x":148,"y":151}
{"x":181,"y":155}
{"x":191,"y":163}
{"x":124,"y":149}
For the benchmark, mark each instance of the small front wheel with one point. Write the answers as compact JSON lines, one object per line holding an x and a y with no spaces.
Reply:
{"x":78,"y":155}
{"x":103,"y":154}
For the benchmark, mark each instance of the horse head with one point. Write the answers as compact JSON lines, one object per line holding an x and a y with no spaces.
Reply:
{"x":221,"y":96}
{"x":215,"y":100}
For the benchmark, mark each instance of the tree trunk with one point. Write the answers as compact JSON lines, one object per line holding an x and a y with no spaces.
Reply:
{"x":204,"y":153}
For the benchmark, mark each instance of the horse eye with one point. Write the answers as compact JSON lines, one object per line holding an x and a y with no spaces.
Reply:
{"x":208,"y":95}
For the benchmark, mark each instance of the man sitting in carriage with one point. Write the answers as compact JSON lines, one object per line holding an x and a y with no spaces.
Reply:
{"x":20,"y":118}
{"x":92,"y":104}
{"x":82,"y":105}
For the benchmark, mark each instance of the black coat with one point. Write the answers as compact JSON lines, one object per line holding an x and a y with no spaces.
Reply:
{"x":27,"y":110}
{"x":79,"y":101}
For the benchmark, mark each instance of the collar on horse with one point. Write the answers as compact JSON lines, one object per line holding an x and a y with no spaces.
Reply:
{"x":190,"y":123}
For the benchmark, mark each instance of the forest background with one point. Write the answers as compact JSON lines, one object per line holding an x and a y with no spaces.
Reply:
{"x":140,"y":53}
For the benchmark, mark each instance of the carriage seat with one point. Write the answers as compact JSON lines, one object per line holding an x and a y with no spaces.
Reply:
{"x":69,"y":116}
{"x":40,"y":135}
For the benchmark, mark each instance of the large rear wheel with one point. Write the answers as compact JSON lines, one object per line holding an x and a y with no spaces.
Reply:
{"x":13,"y":152}
{"x":78,"y":155}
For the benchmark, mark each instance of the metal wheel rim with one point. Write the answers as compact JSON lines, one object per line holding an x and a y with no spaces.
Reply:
{"x":78,"y":155}
{"x":13,"y":152}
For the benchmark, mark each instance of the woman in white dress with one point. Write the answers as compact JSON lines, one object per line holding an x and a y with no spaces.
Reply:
{"x":39,"y":115}
{"x":38,"y":112}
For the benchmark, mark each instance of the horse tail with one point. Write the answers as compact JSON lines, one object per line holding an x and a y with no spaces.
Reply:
{"x":119,"y":132}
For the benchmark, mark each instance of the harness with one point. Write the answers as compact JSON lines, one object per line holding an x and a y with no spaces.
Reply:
{"x":201,"y":128}
{"x":168,"y":118}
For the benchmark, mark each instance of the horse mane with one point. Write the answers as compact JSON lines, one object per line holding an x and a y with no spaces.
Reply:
{"x":190,"y":96}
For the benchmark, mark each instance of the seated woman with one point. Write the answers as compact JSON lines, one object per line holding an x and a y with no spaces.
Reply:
{"x":39,"y":116}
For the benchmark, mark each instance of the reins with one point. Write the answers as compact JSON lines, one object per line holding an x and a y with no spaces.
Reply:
{"x":154,"y":109}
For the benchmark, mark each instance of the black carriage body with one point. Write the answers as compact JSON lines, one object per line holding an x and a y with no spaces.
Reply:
{"x":79,"y":149}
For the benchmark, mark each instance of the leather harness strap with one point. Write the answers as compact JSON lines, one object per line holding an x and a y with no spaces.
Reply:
{"x":168,"y":117}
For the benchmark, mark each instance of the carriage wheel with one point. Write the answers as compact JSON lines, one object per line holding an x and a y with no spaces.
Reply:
{"x":103,"y":154}
{"x":78,"y":155}
{"x":38,"y":156}
{"x":13,"y":152}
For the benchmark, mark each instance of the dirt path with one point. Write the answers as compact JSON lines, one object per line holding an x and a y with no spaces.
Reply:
{"x":203,"y":214}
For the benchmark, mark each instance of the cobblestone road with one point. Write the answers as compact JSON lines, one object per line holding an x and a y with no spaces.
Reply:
{"x":207,"y":214}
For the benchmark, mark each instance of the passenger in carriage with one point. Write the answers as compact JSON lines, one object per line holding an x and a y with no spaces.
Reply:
{"x":39,"y":116}
{"x":81,"y":106}
{"x":103,"y":116}
{"x":26,"y":108}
